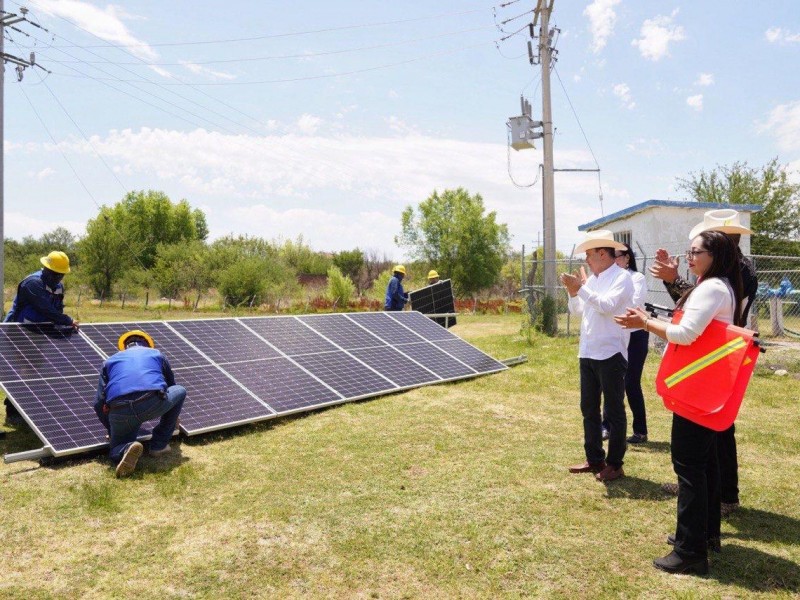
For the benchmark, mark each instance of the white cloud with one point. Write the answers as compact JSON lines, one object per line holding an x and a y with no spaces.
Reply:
{"x":17,"y":225}
{"x":308,"y":124}
{"x":602,"y":19}
{"x":656,"y":36}
{"x":696,"y":102}
{"x":776,"y":35}
{"x":623,"y":92}
{"x":338,"y":191}
{"x":783,"y":122}
{"x":393,"y":94}
{"x":201,"y":70}
{"x":45,"y":173}
{"x":647,"y":147}
{"x":105,"y":23}
{"x":705,"y":79}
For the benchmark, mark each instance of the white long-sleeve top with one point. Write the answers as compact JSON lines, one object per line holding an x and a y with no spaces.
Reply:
{"x":639,"y":291}
{"x":601,"y":298}
{"x":711,"y":299}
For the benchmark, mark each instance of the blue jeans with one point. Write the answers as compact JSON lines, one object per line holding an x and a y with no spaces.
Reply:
{"x":125,"y":418}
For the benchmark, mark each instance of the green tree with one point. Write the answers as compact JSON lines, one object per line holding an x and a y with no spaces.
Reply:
{"x":349,"y":262}
{"x":776,"y":227}
{"x":181,"y":268}
{"x":451,"y":232}
{"x":303,"y":259}
{"x":379,"y":285}
{"x":340,"y":287}
{"x":243,"y":282}
{"x":105,"y":253}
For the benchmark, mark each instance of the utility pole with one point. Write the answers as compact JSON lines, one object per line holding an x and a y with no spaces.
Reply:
{"x":9,"y":20}
{"x":542,"y":13}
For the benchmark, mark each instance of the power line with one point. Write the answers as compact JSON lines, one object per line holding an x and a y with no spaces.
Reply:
{"x":287,"y":56}
{"x":78,"y":177}
{"x":290,"y":34}
{"x":315,"y":77}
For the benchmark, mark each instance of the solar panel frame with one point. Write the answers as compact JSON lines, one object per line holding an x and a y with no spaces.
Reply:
{"x":436,"y":298}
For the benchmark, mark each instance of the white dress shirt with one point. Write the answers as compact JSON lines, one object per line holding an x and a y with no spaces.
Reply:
{"x":711,"y":299}
{"x":639,"y":292}
{"x":601,"y":298}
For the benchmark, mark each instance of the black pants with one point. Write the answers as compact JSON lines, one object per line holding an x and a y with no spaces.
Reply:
{"x":694,"y":458}
{"x":728,"y":466}
{"x":606,"y":377}
{"x":637,"y":353}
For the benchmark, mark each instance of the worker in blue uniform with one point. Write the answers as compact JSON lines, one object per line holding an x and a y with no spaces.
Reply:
{"x":137,"y":385}
{"x":396,"y":298}
{"x":40,"y":296}
{"x":40,"y":299}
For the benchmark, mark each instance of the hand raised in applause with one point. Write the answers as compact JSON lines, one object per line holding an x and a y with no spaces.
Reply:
{"x":634,"y":318}
{"x":665,"y":266}
{"x":573,"y":282}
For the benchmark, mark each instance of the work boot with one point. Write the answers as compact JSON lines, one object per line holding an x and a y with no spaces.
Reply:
{"x":128,"y":463}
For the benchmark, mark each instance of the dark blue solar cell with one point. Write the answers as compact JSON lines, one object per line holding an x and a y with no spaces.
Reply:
{"x":397,"y":367}
{"x":345,"y":374}
{"x":288,"y":335}
{"x":483,"y":363}
{"x":214,"y":401}
{"x":224,"y":340}
{"x":282,"y":384}
{"x":422,"y":325}
{"x":179,"y":353}
{"x":35,"y":351}
{"x":434,"y":359}
{"x":342,"y":331}
{"x":386,"y":328}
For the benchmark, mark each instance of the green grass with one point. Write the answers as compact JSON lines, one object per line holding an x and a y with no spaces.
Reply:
{"x":457,"y":490}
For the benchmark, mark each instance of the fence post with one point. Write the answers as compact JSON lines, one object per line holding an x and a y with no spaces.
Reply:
{"x":776,"y":315}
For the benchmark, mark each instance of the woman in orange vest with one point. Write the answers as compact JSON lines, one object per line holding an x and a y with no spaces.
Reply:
{"x":718,"y":295}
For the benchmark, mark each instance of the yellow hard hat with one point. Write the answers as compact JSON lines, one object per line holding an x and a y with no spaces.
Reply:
{"x":432,"y":274}
{"x":56,"y":261}
{"x":399,"y":269}
{"x":134,"y":332}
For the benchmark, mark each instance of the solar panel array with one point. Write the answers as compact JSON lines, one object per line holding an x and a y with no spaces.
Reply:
{"x":235,"y":371}
{"x":435,"y":299}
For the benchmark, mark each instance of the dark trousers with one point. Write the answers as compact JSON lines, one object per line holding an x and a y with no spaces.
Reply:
{"x":728,"y":466}
{"x":606,"y":377}
{"x":694,"y":458}
{"x":637,"y":353}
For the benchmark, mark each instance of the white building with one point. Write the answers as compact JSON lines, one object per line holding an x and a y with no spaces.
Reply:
{"x":665,"y":224}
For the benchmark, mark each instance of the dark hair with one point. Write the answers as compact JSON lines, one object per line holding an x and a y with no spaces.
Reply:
{"x":724,"y":264}
{"x":610,"y":251}
{"x":631,"y":255}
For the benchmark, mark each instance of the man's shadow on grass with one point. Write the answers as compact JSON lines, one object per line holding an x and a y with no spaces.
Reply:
{"x":636,"y":488}
{"x":765,"y":526}
{"x":755,"y":570}
{"x":649,"y":447}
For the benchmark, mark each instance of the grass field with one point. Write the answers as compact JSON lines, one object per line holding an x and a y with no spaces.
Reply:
{"x":457,"y":490}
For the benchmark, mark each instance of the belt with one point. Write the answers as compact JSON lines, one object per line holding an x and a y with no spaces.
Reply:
{"x":142,"y":398}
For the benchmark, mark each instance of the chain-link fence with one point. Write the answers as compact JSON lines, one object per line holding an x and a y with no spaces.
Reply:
{"x":775,"y":312}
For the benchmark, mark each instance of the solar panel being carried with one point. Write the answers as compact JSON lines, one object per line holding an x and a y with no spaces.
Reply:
{"x":236,"y":371}
{"x":435,"y":299}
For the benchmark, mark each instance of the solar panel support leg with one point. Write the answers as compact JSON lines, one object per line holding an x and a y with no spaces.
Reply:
{"x":28,"y":455}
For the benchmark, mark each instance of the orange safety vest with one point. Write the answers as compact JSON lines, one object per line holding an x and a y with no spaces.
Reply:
{"x":705,"y":381}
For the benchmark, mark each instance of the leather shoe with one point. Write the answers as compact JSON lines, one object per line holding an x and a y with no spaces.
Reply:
{"x":714,"y":543}
{"x":672,"y":563}
{"x":610,"y":473}
{"x":588,"y":467}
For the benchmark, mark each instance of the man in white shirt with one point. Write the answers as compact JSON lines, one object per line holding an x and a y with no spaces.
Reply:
{"x":603,"y":352}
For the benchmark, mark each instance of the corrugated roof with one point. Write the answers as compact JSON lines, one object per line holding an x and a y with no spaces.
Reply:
{"x":631,"y":210}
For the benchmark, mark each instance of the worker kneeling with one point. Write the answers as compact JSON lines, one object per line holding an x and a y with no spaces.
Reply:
{"x":137,"y":385}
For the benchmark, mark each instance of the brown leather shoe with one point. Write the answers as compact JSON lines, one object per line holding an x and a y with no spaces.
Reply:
{"x":610,"y":473}
{"x":587,"y":467}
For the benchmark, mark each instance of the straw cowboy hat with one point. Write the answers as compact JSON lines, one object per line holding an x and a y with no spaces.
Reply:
{"x":725,"y":220}
{"x":602,"y":238}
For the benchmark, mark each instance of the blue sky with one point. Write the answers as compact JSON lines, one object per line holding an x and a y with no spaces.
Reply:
{"x":333,"y":116}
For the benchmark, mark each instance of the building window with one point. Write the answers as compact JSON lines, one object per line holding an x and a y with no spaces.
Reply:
{"x":624,"y":237}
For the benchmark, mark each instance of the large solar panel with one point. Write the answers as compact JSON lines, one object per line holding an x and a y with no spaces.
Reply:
{"x":434,"y":299}
{"x":236,"y":371}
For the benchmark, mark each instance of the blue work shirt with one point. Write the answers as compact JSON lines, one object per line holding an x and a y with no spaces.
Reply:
{"x":134,"y":371}
{"x":38,"y":301}
{"x":396,"y":298}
